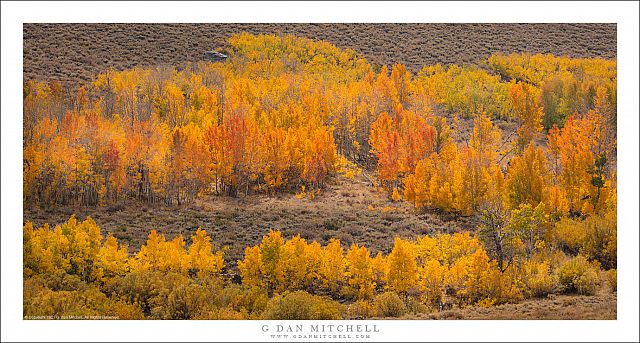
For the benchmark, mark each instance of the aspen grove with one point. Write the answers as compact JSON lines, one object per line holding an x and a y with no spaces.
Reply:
{"x":284,"y":114}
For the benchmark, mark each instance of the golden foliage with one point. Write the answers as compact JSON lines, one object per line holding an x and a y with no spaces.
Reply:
{"x":578,"y":275}
{"x":286,"y":113}
{"x":359,"y":271}
{"x":165,"y":279}
{"x":403,"y":270}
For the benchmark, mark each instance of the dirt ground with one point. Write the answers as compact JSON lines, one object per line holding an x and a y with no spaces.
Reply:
{"x":73,"y":53}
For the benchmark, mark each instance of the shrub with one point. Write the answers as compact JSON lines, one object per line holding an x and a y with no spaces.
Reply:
{"x":59,"y":281}
{"x":301,"y":305}
{"x":90,"y":302}
{"x":612,"y":279}
{"x":210,"y":299}
{"x":184,"y":302}
{"x":569,"y":234}
{"x":389,"y":304}
{"x":252,"y":300}
{"x":587,"y":283}
{"x":225,"y":313}
{"x":537,"y":278}
{"x":148,"y":288}
{"x":361,"y":309}
{"x":578,"y":275}
{"x":594,"y":237}
{"x":600,"y":240}
{"x":486,"y":302}
{"x":415,"y":305}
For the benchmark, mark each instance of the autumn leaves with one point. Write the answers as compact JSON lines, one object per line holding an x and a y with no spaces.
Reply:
{"x":167,"y":136}
{"x":284,"y":114}
{"x":78,"y":248}
{"x":281,"y":112}
{"x":427,"y":269}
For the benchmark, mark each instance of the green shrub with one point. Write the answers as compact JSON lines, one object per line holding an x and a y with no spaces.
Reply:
{"x":612,"y":279}
{"x":184,"y":302}
{"x":600,"y":241}
{"x":150,"y":289}
{"x":361,"y":309}
{"x":389,"y":304}
{"x":594,"y":237}
{"x":537,"y":278}
{"x":88,"y":303}
{"x":414,"y":305}
{"x":579,"y":276}
{"x":60,"y":281}
{"x":252,"y":300}
{"x":225,"y":313}
{"x":301,"y":305}
{"x":212,"y":299}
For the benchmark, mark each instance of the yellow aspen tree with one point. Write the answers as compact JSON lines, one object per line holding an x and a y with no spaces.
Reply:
{"x":84,"y":244}
{"x":48,"y":250}
{"x":174,"y":256}
{"x":528,"y":224}
{"x":401,"y":79}
{"x":272,"y":252}
{"x":426,"y":248}
{"x":313,"y":253}
{"x":385,"y":141}
{"x":528,"y":177}
{"x":332,"y":265}
{"x":150,"y":255}
{"x":112,"y":259}
{"x":380,"y":267}
{"x":574,"y":146}
{"x":403,"y":269}
{"x":475,"y":173}
{"x":455,"y":278}
{"x":202,"y":260}
{"x":478,"y":268}
{"x":417,"y":139}
{"x":359,"y":271}
{"x":528,"y":112}
{"x":485,"y":138}
{"x":29,"y":252}
{"x":432,"y":277}
{"x":470,"y":187}
{"x":556,"y":202}
{"x":251,"y":266}
{"x":460,"y":244}
{"x":432,"y":183}
{"x":294,"y":263}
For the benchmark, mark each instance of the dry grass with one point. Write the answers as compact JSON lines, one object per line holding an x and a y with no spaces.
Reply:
{"x":600,"y":306}
{"x":76,"y":52}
